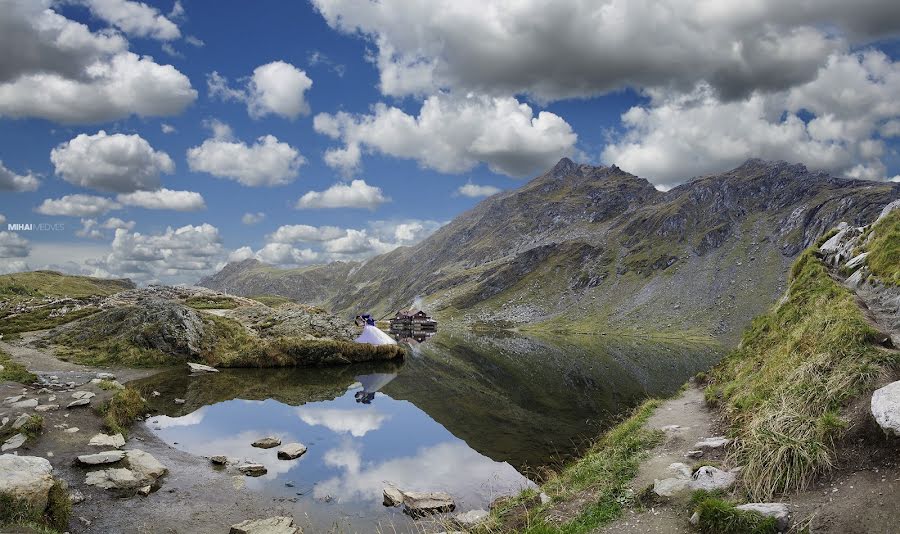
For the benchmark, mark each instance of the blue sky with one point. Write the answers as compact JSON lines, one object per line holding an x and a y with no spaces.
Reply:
{"x":408,"y":103}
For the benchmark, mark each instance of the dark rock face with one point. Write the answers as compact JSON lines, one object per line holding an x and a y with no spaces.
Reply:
{"x":584,"y":241}
{"x":164,"y":325}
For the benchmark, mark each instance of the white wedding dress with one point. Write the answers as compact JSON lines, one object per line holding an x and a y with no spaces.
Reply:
{"x":373,"y":336}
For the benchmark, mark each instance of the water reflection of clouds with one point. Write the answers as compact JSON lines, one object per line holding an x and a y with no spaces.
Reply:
{"x":357,"y":422}
{"x":450,"y":466}
{"x":194,"y":418}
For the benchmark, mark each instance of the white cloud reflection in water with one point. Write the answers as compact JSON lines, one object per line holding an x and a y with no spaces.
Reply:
{"x":357,"y":422}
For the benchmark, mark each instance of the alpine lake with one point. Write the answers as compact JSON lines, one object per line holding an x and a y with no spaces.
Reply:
{"x":476,"y":415}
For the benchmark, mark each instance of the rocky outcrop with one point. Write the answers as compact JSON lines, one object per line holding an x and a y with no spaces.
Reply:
{"x":26,"y":479}
{"x":885,"y":408}
{"x":142,"y":470}
{"x":418,"y":503}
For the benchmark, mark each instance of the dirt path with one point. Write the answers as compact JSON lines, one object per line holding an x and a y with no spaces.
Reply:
{"x":685,"y":421}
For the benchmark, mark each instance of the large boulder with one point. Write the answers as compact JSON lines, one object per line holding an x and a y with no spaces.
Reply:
{"x":26,"y":479}
{"x":143,"y":470}
{"x":271,"y":525}
{"x":886,"y":408}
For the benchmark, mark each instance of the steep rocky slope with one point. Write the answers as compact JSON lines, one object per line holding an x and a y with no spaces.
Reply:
{"x":585,"y":248}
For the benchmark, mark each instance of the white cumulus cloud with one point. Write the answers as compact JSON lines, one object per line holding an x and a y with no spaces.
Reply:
{"x":680,"y":135}
{"x":294,"y":233}
{"x":356,"y":194}
{"x":118,"y":162}
{"x":267,"y":162}
{"x":452,"y":134}
{"x":164,"y":199}
{"x":12,"y":245}
{"x":77,"y":206}
{"x":475,"y":190}
{"x":11,"y":181}
{"x":276,"y":88}
{"x":135,"y":18}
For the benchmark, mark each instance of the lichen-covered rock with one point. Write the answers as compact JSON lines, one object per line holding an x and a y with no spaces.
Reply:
{"x":26,"y":479}
{"x":418,"y":504}
{"x":885,"y":408}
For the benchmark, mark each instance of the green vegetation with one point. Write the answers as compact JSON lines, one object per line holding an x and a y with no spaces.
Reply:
{"x":53,"y":519}
{"x":54,"y":284}
{"x":233,"y":346}
{"x":33,"y":427}
{"x":109,"y":385}
{"x":719,"y":516}
{"x":211,"y":303}
{"x":122,"y":410}
{"x":13,"y":371}
{"x":601,"y":477}
{"x":104,"y":352}
{"x":272,"y":301}
{"x":884,"y":249}
{"x":39,"y":319}
{"x":783,"y":389}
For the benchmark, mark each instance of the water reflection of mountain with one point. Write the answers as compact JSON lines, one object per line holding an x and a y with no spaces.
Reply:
{"x":511,"y":398}
{"x":523,"y":400}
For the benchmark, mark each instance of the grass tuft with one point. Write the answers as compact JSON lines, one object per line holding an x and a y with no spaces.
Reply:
{"x":14,"y":372}
{"x":884,"y":249}
{"x":122,"y":410}
{"x":783,"y":388}
{"x":53,"y":519}
{"x":718,"y":516}
{"x":211,"y":303}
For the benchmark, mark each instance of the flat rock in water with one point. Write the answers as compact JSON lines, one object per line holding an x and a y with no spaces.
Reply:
{"x":267,"y":443}
{"x":780,"y":511}
{"x":471,"y":519}
{"x":253,"y":470}
{"x":271,"y":525}
{"x":199,"y":368}
{"x":291,"y":451}
{"x":886,"y":408}
{"x":716,"y":442}
{"x":83,"y":395}
{"x":145,"y":466}
{"x":26,"y":478}
{"x":13,"y":443}
{"x":108,"y":457}
{"x":417,"y":504}
{"x":219,"y":460}
{"x":79,"y":402}
{"x":115,"y":441}
{"x":113,"y":479}
{"x":392,"y":496}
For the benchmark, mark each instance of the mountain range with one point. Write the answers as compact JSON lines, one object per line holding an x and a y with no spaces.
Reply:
{"x":585,"y":248}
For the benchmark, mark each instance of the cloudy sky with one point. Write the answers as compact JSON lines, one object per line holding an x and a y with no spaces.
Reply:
{"x":160,"y":140}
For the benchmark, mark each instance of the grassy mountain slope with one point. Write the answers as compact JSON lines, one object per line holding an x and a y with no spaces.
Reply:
{"x":585,"y":248}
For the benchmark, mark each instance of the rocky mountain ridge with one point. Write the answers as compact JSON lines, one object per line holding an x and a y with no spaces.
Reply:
{"x":587,"y":248}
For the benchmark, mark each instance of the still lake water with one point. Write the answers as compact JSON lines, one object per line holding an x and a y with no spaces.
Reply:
{"x":475,"y":415}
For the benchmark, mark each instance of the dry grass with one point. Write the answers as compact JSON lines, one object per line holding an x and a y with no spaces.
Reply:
{"x":884,"y":249}
{"x":797,"y":367}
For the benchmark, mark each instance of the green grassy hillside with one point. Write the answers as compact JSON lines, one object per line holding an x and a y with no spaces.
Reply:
{"x":38,"y":284}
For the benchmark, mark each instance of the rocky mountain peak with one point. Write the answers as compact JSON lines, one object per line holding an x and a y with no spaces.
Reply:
{"x":565,"y":167}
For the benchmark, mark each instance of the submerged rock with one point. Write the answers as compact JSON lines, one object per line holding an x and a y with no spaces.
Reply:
{"x":885,"y":408}
{"x":471,"y":519}
{"x":27,"y":479}
{"x":291,"y":451}
{"x":253,"y":470}
{"x":267,"y":442}
{"x":780,"y":511}
{"x":271,"y":525}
